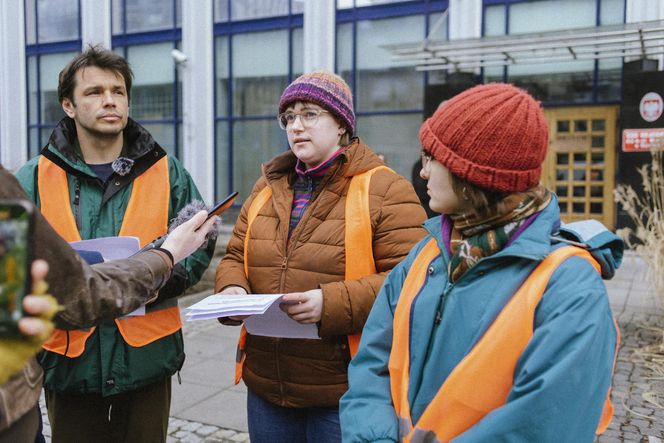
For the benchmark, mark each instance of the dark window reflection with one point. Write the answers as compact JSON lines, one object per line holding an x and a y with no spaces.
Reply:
{"x":597,"y":158}
{"x":608,"y":84}
{"x":563,"y":125}
{"x":561,"y":191}
{"x":596,"y":208}
{"x":580,"y":159}
{"x":565,"y":86}
{"x":578,"y":207}
{"x":580,"y":126}
{"x":598,"y":125}
{"x":597,"y":141}
{"x":596,"y":175}
{"x":562,"y":159}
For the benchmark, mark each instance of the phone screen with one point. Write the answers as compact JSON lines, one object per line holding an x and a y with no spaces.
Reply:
{"x":15,"y":226}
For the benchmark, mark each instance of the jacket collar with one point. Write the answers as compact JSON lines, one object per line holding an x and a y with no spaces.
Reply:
{"x":139,"y":145}
{"x":534,"y":242}
{"x":356,"y":158}
{"x":137,"y":141}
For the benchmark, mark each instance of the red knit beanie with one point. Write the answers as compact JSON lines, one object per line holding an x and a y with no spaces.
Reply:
{"x":493,"y":136}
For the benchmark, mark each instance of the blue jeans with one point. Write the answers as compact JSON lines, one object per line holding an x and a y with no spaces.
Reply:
{"x":269,"y":423}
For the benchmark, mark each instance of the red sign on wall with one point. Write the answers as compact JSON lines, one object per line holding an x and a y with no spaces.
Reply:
{"x":645,"y":139}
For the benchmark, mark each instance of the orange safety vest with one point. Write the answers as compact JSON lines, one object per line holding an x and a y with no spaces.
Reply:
{"x":483,"y":379}
{"x":160,"y":320}
{"x":358,"y":244}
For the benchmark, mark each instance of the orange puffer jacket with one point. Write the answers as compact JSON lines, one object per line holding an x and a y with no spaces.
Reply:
{"x":312,"y":373}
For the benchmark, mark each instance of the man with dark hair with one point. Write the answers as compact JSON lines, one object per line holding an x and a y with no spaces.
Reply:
{"x":86,"y":294}
{"x":102,"y":174}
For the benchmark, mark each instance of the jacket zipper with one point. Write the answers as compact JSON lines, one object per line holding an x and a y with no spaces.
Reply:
{"x":440,"y":309}
{"x":77,"y":203}
{"x":289,"y":245}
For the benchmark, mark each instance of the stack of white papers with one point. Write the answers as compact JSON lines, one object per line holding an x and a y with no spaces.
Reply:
{"x":227,"y":305}
{"x":266,"y":317}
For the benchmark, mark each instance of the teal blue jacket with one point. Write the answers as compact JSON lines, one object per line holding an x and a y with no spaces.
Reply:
{"x":562,"y":377}
{"x":108,"y":365}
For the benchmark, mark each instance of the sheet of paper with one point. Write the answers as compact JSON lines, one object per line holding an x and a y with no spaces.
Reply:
{"x":112,"y":248}
{"x":275,"y":323}
{"x":221,"y":304}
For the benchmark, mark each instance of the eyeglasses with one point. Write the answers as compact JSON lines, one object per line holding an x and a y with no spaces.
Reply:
{"x":426,"y":159}
{"x":308,"y":118}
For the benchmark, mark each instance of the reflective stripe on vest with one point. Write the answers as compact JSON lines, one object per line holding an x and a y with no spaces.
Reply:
{"x":160,"y":320}
{"x":483,"y":379}
{"x":358,"y":245}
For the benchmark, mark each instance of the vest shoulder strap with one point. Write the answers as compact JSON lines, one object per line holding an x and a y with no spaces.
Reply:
{"x":259,"y":201}
{"x":358,"y":233}
{"x":54,"y":199}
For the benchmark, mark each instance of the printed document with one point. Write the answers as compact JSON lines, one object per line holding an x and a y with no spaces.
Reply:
{"x":266,"y":317}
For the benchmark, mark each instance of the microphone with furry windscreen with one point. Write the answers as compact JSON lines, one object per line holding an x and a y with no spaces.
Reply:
{"x":188,"y":212}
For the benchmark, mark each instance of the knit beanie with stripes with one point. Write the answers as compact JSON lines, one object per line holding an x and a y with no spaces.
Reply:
{"x":325,"y":89}
{"x":493,"y":136}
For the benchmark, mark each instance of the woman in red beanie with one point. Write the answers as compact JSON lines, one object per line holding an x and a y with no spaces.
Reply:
{"x":297,"y":234}
{"x":493,"y":328}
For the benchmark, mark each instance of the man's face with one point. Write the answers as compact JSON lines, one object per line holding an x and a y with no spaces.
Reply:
{"x":100,"y":105}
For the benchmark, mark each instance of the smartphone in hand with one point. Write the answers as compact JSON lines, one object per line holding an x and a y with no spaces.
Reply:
{"x":222,"y":206}
{"x":16,"y":221}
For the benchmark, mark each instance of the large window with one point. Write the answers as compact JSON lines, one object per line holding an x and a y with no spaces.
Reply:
{"x":388,"y":97}
{"x":576,"y":81}
{"x":145,"y":32}
{"x":381,"y":85}
{"x":52,"y":39}
{"x":259,"y":50}
{"x":145,"y":15}
{"x":49,"y":21}
{"x":256,"y":56}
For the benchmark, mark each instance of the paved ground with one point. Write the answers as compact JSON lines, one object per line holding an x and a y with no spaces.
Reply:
{"x":208,"y":407}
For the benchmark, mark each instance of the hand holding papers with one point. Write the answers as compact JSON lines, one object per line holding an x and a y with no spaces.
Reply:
{"x":229,"y":305}
{"x":267,"y":318}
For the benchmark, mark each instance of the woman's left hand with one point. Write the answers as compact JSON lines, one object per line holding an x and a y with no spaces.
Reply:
{"x":304,"y":307}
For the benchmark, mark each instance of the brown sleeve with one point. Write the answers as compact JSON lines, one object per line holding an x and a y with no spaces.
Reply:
{"x":89,"y":294}
{"x":230,"y":271}
{"x":397,"y":218}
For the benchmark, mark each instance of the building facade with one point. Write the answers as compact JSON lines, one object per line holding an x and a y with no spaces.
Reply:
{"x":209,"y":73}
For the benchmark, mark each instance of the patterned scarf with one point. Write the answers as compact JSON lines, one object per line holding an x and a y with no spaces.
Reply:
{"x":474,"y":237}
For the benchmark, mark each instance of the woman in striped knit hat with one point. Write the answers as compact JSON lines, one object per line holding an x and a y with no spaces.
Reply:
{"x":298,"y":245}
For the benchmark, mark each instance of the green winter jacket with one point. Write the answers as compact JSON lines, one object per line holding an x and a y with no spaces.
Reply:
{"x":108,"y":365}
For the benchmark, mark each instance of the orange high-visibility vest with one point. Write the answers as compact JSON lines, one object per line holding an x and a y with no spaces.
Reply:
{"x":358,"y":244}
{"x":483,"y":379}
{"x":146,"y":217}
